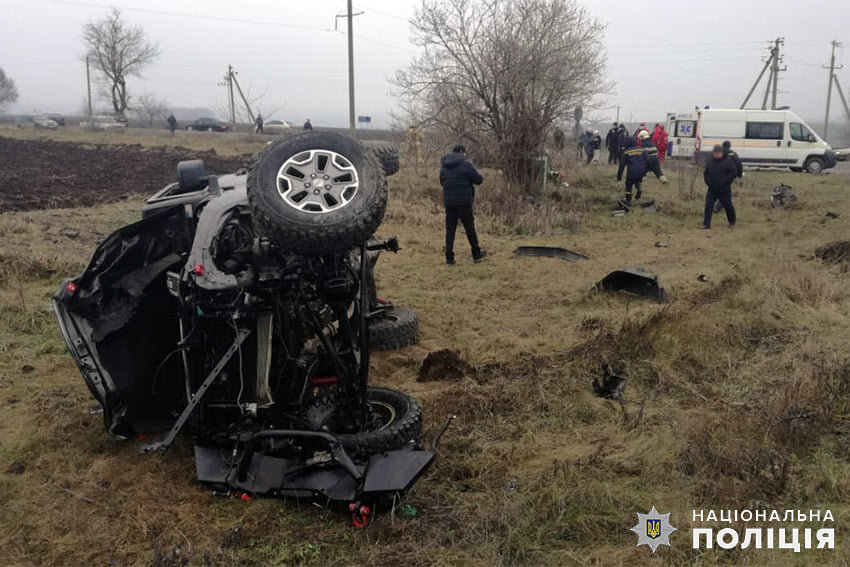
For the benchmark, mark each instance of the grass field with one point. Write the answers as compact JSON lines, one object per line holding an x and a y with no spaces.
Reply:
{"x":737,"y":392}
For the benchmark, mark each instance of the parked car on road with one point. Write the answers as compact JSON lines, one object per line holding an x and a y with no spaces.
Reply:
{"x":276,"y":126}
{"x":102,"y":122}
{"x":45,"y":122}
{"x":58,"y":118}
{"x":208,"y":124}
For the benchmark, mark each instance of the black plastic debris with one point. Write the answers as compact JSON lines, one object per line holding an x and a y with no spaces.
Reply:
{"x":611,"y":387}
{"x":831,"y":215}
{"x":702,"y":278}
{"x":634,"y":281}
{"x":549,"y":252}
{"x":650,"y":206}
{"x":660,"y":244}
{"x":781,"y":196}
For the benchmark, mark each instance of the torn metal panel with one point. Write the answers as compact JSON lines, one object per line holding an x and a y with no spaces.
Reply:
{"x":635,"y":281}
{"x":549,"y":252}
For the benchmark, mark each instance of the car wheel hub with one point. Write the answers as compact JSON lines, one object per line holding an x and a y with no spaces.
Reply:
{"x":317,"y":181}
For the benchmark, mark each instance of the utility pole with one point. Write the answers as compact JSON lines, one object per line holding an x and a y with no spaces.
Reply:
{"x":350,"y":16}
{"x":776,"y":59}
{"x":618,"y":115}
{"x":771,"y":63}
{"x":228,"y":82}
{"x":832,"y":78}
{"x":767,"y":64}
{"x":230,"y":96}
{"x":233,"y":81}
{"x":843,"y":100}
{"x":350,"y":68}
{"x":88,"y":84}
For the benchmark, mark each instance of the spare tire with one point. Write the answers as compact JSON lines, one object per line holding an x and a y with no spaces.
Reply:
{"x":387,"y":154}
{"x":395,"y":328}
{"x":396,"y":422}
{"x":316,"y":193}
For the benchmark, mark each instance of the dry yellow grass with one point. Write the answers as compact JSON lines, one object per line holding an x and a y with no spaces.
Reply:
{"x":536,"y":470}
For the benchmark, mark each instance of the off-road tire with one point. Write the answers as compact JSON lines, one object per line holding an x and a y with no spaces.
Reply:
{"x":406,"y":427}
{"x":309,"y":233}
{"x":396,"y":328}
{"x":387,"y":154}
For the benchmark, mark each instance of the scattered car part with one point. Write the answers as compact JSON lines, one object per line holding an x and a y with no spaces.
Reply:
{"x":650,"y":206}
{"x":611,"y":387}
{"x":392,"y":328}
{"x":387,"y":154}
{"x":702,"y":278}
{"x":635,"y":281}
{"x":831,"y":215}
{"x":549,"y":252}
{"x":660,"y":244}
{"x":782,"y":195}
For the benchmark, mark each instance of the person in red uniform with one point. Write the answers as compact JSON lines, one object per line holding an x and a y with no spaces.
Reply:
{"x":659,"y":138}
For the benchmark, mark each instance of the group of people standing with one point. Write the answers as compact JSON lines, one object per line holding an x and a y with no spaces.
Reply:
{"x":637,"y":155}
{"x":615,"y":140}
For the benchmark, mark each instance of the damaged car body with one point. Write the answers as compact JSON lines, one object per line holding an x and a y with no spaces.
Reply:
{"x":238,"y":310}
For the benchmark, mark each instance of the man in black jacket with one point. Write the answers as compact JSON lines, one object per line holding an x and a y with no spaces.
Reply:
{"x":458,"y":177}
{"x":622,"y":138}
{"x":719,"y":173}
{"x":611,"y":141}
{"x":739,"y":167}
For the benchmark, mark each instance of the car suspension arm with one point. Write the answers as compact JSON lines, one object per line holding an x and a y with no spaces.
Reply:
{"x":162,"y":446}
{"x":339,"y":454}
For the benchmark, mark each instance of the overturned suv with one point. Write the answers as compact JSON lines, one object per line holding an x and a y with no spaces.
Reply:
{"x":240,"y":310}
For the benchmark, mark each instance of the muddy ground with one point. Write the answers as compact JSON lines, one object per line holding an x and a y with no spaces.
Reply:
{"x":47,"y":174}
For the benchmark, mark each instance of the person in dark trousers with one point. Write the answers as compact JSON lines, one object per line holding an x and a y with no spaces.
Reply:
{"x":728,"y":152}
{"x":653,"y":163}
{"x":259,"y":125}
{"x":633,"y":159}
{"x":597,"y":145}
{"x":622,"y":138}
{"x":559,"y":138}
{"x":739,"y":167}
{"x":308,"y":126}
{"x":589,"y":144}
{"x":719,"y":173}
{"x":459,"y":177}
{"x":172,"y":123}
{"x":611,"y":143}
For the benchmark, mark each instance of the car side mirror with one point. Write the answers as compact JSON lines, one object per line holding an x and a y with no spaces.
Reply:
{"x":810,"y":138}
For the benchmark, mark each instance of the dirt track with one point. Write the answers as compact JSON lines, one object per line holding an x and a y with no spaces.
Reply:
{"x":48,"y":174}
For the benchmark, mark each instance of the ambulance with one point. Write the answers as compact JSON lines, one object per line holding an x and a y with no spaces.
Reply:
{"x":766,"y":138}
{"x":681,"y":134}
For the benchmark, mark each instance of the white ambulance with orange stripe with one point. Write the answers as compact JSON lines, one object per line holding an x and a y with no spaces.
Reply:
{"x":766,"y":138}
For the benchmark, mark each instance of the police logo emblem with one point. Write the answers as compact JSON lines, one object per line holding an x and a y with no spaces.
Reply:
{"x":653,"y":529}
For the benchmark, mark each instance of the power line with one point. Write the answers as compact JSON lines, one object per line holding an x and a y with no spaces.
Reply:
{"x":189,"y":15}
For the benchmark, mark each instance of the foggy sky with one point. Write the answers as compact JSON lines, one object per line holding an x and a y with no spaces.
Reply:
{"x":662,"y":56}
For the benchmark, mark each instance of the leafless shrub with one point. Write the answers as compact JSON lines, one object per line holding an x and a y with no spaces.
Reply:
{"x":499,"y":75}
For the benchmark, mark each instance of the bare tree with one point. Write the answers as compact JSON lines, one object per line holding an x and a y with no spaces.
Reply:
{"x":499,"y":74}
{"x":151,"y":107}
{"x":118,"y":51}
{"x":8,"y":90}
